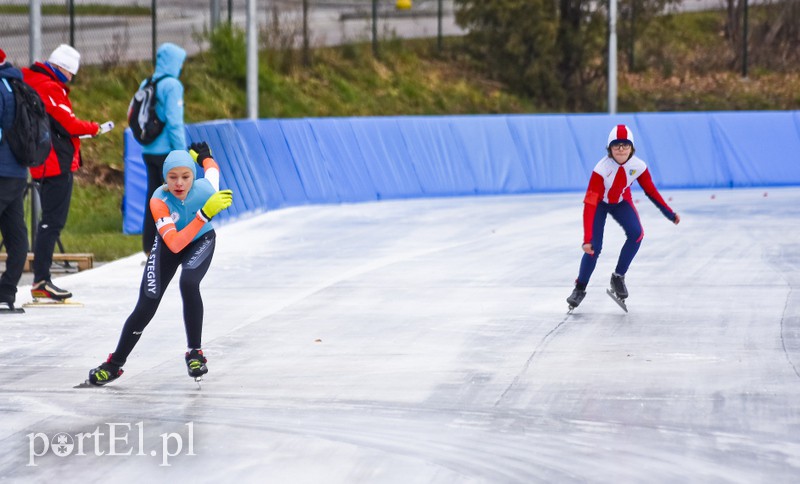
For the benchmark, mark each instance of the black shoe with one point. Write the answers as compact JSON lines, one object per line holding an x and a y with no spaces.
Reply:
{"x":196,"y":363}
{"x":8,"y":294}
{"x":576,"y":297}
{"x":618,"y":285}
{"x":105,"y":373}
{"x":46,"y":289}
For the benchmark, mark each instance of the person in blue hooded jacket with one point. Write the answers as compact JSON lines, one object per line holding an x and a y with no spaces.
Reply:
{"x":169,"y":108}
{"x":13,"y":181}
{"x":182,"y":210}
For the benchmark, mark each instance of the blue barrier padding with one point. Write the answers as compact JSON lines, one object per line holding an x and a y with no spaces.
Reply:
{"x":760,"y":149}
{"x":279,"y":157}
{"x":262,"y":168}
{"x":548,"y":166}
{"x":317,"y":182}
{"x":343,"y":159}
{"x":278,"y":163}
{"x":494,"y":167}
{"x":135,"y":185}
{"x":683,"y":150}
{"x":437,"y":156}
{"x":386,"y":157}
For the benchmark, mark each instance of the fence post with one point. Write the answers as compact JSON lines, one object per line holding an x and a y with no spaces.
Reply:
{"x":153,"y":26}
{"x":35,"y":31}
{"x":71,"y":22}
{"x":744,"y":42}
{"x":440,"y":13}
{"x":375,"y":28}
{"x":306,"y":56}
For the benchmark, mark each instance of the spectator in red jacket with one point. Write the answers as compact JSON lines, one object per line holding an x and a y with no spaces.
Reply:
{"x":55,"y":176}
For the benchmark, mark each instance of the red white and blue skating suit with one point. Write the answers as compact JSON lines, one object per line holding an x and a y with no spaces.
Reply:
{"x":609,"y":193}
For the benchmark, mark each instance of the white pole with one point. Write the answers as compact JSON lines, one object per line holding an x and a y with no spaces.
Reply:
{"x":612,"y":56}
{"x":252,"y":61}
{"x":35,"y":33}
{"x":214,"y":21}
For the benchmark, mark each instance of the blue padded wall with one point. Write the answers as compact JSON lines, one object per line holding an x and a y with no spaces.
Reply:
{"x":278,"y":163}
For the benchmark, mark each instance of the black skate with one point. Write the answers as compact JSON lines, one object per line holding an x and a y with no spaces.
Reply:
{"x":618,"y":292}
{"x":575,"y":298}
{"x":196,"y":364}
{"x":105,"y":373}
{"x":618,"y":286}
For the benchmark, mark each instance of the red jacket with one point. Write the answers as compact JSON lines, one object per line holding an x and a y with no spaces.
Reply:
{"x":65,"y":155}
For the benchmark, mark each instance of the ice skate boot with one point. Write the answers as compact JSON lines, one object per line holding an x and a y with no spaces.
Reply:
{"x":576,"y":297}
{"x":45,"y":289}
{"x":196,"y":363}
{"x":618,"y":286}
{"x":105,"y":373}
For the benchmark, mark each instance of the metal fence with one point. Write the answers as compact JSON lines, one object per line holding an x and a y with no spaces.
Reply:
{"x":108,"y":31}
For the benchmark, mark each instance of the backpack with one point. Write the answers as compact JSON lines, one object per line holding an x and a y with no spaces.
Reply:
{"x":29,"y":137}
{"x":142,"y":117}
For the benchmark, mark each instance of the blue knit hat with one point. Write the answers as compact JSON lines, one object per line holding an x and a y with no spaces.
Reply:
{"x":178,"y":158}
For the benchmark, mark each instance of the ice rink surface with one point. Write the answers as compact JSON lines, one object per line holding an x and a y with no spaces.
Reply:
{"x":428,"y":341}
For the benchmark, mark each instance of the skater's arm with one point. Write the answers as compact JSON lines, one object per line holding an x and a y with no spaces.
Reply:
{"x":646,"y":182}
{"x":59,"y":108}
{"x":594,"y":193}
{"x":176,"y":240}
{"x":201,"y":153}
{"x":211,"y":169}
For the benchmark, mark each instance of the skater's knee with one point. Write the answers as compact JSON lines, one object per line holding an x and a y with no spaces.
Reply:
{"x":189,"y":285}
{"x":635,"y":236}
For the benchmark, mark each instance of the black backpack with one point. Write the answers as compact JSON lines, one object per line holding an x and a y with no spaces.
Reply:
{"x":142,"y":117}
{"x":29,"y":137}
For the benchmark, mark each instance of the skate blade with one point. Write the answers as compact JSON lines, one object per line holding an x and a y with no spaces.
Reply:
{"x":11,"y":310}
{"x":620,"y":302}
{"x":52,"y":303}
{"x":86,"y":384}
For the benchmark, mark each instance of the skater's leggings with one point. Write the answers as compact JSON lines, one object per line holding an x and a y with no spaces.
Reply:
{"x":161,"y":266}
{"x":626,"y":215}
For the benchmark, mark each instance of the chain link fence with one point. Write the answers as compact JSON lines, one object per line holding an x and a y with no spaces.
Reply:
{"x":107,"y":32}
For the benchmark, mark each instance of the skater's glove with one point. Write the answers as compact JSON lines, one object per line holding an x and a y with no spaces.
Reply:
{"x":215,"y":204}
{"x":199,"y":152}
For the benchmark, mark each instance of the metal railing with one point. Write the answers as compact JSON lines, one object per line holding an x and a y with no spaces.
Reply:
{"x":107,"y":32}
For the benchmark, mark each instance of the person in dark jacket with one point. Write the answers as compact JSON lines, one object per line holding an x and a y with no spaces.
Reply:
{"x":55,"y":176}
{"x":13,"y":180}
{"x":169,"y":108}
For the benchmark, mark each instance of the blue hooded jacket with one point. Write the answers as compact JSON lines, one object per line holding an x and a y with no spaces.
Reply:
{"x":9,"y":166}
{"x":169,"y":100}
